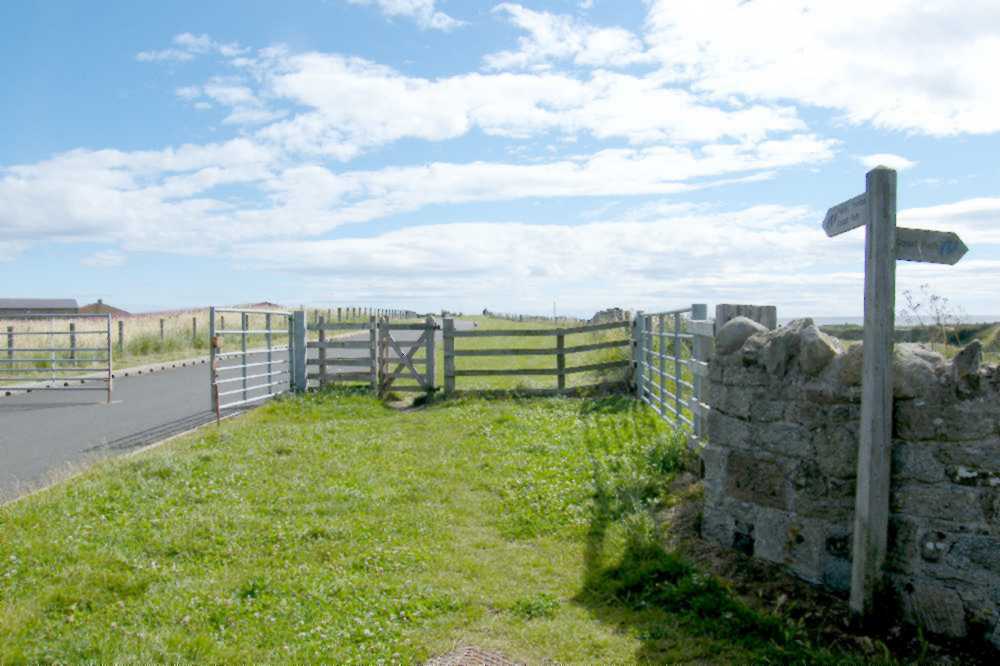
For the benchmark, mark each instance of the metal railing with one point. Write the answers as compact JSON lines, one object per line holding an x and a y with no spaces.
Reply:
{"x":671,"y":351}
{"x":258,"y":369}
{"x":43,"y":365}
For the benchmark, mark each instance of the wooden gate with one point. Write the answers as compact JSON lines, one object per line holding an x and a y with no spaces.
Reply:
{"x":405,"y":354}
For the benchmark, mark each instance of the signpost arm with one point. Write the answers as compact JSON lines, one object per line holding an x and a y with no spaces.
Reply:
{"x":871,"y":515}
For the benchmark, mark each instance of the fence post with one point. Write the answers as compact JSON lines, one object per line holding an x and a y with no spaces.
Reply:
{"x":322,"y":353}
{"x":449,"y":355}
{"x":561,"y":361}
{"x":637,"y":339}
{"x":121,"y":336}
{"x":340,"y":314}
{"x":431,"y":365}
{"x":245,"y":325}
{"x":299,"y":351}
{"x":662,"y":365}
{"x":194,"y":330}
{"x":678,"y":387}
{"x":10,"y":342}
{"x":107,"y":339}
{"x":213,"y":350}
{"x":72,"y":340}
{"x":373,"y":352}
{"x":161,"y":331}
{"x":700,"y":353}
{"x":270,"y":341}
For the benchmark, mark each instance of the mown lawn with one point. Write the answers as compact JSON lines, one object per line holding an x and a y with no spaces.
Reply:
{"x":330,"y":528}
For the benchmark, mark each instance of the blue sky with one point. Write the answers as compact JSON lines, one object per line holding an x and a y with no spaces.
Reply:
{"x":470,"y":154}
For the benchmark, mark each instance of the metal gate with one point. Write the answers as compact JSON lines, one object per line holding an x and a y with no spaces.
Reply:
{"x":404,"y":353}
{"x":260,"y":367}
{"x":48,"y":352}
{"x":671,"y":370}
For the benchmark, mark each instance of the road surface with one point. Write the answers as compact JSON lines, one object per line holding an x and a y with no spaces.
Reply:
{"x":46,"y":435}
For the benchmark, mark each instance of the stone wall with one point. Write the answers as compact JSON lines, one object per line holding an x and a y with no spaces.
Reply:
{"x":781,"y":462}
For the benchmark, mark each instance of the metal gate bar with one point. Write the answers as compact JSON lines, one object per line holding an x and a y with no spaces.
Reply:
{"x":253,"y":386}
{"x":101,"y":366}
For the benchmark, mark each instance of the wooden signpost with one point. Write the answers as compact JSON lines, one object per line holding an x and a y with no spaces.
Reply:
{"x":884,"y":245}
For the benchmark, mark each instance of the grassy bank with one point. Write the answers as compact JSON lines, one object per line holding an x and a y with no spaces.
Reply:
{"x":331,"y":528}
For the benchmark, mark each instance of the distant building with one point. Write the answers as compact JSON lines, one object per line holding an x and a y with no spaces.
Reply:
{"x":13,"y":307}
{"x":100,"y":307}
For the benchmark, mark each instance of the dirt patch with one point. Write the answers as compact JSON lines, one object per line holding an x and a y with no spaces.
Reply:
{"x":471,"y":656}
{"x":766,"y":587}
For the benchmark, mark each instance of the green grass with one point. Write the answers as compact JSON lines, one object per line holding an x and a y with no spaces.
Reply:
{"x":331,"y":528}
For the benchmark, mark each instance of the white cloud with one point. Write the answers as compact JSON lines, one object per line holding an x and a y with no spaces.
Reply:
{"x":561,"y":37}
{"x":168,"y":200}
{"x":977,"y":221}
{"x":897,"y":162}
{"x":103,"y":259}
{"x":914,"y":65}
{"x":423,"y":12}
{"x":353,"y":104}
{"x":188,"y":46}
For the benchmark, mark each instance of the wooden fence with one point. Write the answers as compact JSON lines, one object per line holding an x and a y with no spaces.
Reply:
{"x":340,"y":361}
{"x":559,"y":354}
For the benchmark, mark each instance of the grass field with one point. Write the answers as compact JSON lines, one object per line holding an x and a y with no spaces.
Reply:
{"x":331,"y":528}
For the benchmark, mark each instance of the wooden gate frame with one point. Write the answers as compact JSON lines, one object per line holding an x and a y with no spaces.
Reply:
{"x":404,"y":359}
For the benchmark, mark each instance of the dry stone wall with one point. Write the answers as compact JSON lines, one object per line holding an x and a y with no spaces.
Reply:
{"x":781,"y":460}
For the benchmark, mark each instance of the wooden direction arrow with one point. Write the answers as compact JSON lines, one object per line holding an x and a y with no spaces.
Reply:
{"x":935,"y":247}
{"x":851,"y":214}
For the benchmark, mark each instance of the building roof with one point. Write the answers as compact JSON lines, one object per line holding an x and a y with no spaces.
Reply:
{"x":38,"y":304}
{"x":100,"y":307}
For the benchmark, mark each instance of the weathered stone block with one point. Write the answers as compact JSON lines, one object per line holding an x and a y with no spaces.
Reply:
{"x":945,"y":502}
{"x":728,"y":431}
{"x":916,"y":462}
{"x":837,"y":451}
{"x":974,"y":551}
{"x":816,"y":350}
{"x":734,"y":333}
{"x":936,"y":608}
{"x":752,"y":479}
{"x":788,"y":439}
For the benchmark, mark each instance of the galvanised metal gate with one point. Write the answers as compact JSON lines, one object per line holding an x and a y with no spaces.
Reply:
{"x":671,"y":351}
{"x":48,"y":352}
{"x":260,"y":366}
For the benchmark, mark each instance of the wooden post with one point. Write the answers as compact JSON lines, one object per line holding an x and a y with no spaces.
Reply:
{"x":270,"y":340}
{"x":194,"y":330}
{"x":10,"y":343}
{"x":637,"y":341}
{"x":431,"y":369}
{"x":72,"y":340}
{"x":561,"y":361}
{"x":700,"y":352}
{"x":373,"y":352}
{"x":298,"y":352}
{"x":449,"y":355}
{"x":871,"y":512}
{"x":322,"y":354}
{"x":161,"y":331}
{"x":121,"y":336}
{"x":340,"y":314}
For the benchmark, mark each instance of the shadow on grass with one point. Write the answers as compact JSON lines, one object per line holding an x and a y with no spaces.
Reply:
{"x":677,"y":612}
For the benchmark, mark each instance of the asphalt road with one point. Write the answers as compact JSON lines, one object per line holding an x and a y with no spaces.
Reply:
{"x":46,"y":435}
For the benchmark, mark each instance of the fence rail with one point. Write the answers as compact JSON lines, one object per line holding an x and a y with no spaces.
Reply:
{"x":559,"y":353}
{"x":671,"y":352}
{"x":67,"y":370}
